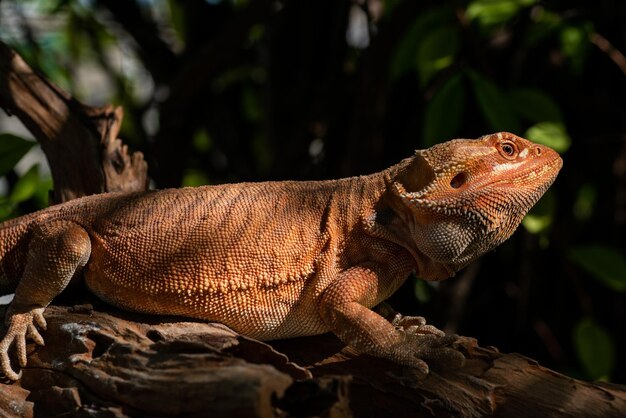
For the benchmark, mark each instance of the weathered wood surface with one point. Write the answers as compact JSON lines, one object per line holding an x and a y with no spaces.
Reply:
{"x":105,"y":362}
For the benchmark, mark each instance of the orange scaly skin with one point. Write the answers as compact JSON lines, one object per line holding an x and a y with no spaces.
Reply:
{"x":281,"y":259}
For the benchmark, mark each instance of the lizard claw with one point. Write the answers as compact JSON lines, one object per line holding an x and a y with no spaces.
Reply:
{"x":20,"y":326}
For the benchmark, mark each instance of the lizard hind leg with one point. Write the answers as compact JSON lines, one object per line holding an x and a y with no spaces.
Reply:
{"x":56,"y":251}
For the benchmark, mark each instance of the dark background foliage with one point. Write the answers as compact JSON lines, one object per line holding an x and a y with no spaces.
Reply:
{"x":234,"y":90}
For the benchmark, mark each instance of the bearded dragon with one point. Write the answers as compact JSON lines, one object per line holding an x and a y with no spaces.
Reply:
{"x":276,"y":260}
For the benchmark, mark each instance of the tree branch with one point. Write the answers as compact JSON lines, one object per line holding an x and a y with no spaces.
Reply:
{"x":80,"y":142}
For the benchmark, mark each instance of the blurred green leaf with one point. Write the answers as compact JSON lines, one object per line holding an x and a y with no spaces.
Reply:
{"x":238,"y":75}
{"x":595,"y":348}
{"x":6,"y":208}
{"x":26,"y":186}
{"x":495,"y":12}
{"x":575,"y":44}
{"x":404,"y":59}
{"x":239,"y":4}
{"x":53,"y":7}
{"x":42,"y":194}
{"x":574,"y":39}
{"x":421,"y":290}
{"x":545,"y":23}
{"x":261,"y":149}
{"x":194,"y":178}
{"x":256,"y":33}
{"x":177,"y":19}
{"x":12,"y":149}
{"x":534,"y":105}
{"x":202,"y":141}
{"x":52,"y":60}
{"x":436,"y":51}
{"x":585,"y":202}
{"x":603,"y":263}
{"x":390,"y":7}
{"x":444,"y":112}
{"x":494,"y":105}
{"x":552,"y":134}
{"x":251,"y":106}
{"x":541,"y":215}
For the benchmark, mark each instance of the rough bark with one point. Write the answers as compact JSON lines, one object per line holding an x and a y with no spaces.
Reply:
{"x":80,"y":142}
{"x":105,"y":362}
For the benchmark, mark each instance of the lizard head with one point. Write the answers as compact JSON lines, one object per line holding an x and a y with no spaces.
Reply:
{"x":464,"y":197}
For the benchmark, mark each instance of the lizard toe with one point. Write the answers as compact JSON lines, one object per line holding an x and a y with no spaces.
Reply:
{"x":425,"y":329}
{"x":20,"y":326}
{"x":34,"y":335}
{"x":446,"y":358}
{"x":5,"y":362}
{"x":415,"y":325}
{"x":405,"y":358}
{"x":20,"y":347}
{"x":436,"y":350}
{"x":447,"y":340}
{"x":7,"y":370}
{"x":421,"y":367}
{"x":39,"y":319}
{"x":402,"y":321}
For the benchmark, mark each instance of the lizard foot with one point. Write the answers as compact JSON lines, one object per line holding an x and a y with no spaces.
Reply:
{"x":418,"y":350}
{"x":415,"y":325}
{"x":20,"y":326}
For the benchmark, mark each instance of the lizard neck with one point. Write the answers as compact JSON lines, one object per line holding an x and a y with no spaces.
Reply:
{"x":385,"y":217}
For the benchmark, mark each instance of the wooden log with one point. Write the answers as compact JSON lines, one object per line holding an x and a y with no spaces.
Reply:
{"x":107,"y":362}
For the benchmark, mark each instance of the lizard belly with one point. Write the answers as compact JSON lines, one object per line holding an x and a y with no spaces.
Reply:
{"x":263,"y":314}
{"x":257,"y":306}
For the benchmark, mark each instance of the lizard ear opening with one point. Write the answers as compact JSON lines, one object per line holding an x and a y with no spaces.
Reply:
{"x":415,"y":175}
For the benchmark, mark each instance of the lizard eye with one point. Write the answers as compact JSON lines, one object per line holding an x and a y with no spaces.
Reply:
{"x":458,"y":180}
{"x":507,"y":149}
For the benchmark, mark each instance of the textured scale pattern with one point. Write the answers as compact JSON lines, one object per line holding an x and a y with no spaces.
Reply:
{"x":281,"y":259}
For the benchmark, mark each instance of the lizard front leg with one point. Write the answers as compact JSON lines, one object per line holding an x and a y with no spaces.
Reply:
{"x":344,"y":309}
{"x":55,"y":252}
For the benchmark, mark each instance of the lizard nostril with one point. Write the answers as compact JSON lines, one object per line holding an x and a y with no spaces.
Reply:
{"x":458,"y":180}
{"x":538,"y":151}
